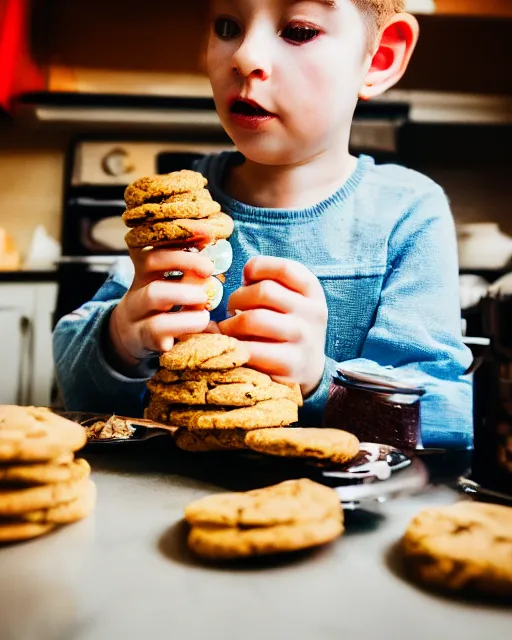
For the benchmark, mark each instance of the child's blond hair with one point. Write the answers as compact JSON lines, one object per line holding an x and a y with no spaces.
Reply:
{"x":377,"y":13}
{"x":380,"y":10}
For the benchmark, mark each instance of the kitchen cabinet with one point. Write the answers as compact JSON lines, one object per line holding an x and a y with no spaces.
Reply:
{"x":27,"y":372}
{"x":133,"y":67}
{"x":496,"y":8}
{"x":159,"y":50}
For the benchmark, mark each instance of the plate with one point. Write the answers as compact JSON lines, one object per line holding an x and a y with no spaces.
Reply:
{"x":142,"y":429}
{"x":378,"y":473}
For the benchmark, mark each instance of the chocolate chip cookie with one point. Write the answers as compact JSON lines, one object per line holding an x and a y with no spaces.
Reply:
{"x":229,"y":543}
{"x":288,"y":502}
{"x":155,"y":188}
{"x":269,"y":413}
{"x":14,"y":502}
{"x":464,"y":548}
{"x":198,"y":351}
{"x":324,"y":444}
{"x":215,"y":227}
{"x":210,"y":439}
{"x":54,"y":471}
{"x":36,"y":434}
{"x":292,"y":515}
{"x":179,"y":392}
{"x":159,"y":212}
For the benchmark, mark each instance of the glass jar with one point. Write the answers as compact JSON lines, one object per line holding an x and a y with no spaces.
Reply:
{"x":376,"y":408}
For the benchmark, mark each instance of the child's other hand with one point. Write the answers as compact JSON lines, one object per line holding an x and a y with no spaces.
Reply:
{"x":283,"y":319}
{"x":141,"y":323}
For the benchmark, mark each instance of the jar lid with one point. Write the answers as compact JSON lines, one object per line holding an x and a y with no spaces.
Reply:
{"x":380,"y":379}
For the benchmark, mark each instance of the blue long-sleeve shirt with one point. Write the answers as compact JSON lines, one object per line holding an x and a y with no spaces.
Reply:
{"x":384,"y":249}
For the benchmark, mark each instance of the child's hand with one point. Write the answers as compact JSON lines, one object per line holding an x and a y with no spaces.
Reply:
{"x":284,"y":320}
{"x":141,"y":323}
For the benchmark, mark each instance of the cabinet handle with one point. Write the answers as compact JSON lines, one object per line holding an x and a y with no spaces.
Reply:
{"x":25,"y":379}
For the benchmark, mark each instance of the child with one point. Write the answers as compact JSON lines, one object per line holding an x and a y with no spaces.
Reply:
{"x":336,"y":260}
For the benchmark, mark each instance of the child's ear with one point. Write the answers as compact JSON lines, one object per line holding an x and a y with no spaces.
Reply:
{"x":395,"y":46}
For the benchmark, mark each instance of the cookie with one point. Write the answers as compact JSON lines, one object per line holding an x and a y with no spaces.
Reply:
{"x":170,"y":211}
{"x":210,"y":439}
{"x":228,"y":360}
{"x":154,"y":188}
{"x":325,"y":444}
{"x":158,"y":411}
{"x":238,"y":375}
{"x":296,"y":392}
{"x":36,"y":434}
{"x":289,"y":502}
{"x":215,"y":227}
{"x":269,"y":413}
{"x":68,"y":512}
{"x":246,"y":394}
{"x":227,"y":543}
{"x":179,"y":392}
{"x":166,"y":377}
{"x":13,"y":502}
{"x":49,"y":473}
{"x":17,"y":531}
{"x":465,"y":548}
{"x":193,"y":350}
{"x":196,"y":195}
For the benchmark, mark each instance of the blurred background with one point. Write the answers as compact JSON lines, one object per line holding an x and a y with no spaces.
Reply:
{"x":95,"y":93}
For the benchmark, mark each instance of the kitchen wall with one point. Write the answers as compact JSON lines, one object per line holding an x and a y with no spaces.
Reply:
{"x":32,"y":166}
{"x":472,"y":163}
{"x":31,"y":170}
{"x":148,"y":44}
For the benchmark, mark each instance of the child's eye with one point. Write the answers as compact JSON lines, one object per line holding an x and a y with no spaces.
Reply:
{"x":299,"y":34}
{"x":226,"y":28}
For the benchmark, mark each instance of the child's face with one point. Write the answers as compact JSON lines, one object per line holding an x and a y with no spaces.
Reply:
{"x":302,"y":62}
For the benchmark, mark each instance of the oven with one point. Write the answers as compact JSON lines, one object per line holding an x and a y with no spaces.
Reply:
{"x":97,"y":173}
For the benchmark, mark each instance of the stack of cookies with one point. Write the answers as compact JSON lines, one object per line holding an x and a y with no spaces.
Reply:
{"x":173,"y":209}
{"x":289,"y":516}
{"x":204,"y":388}
{"x":42,"y":486}
{"x":463,"y":549}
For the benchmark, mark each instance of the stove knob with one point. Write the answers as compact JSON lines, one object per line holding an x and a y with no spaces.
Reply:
{"x":117,"y":163}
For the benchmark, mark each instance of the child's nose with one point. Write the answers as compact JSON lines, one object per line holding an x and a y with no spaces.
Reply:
{"x":251,"y":60}
{"x":255,"y":73}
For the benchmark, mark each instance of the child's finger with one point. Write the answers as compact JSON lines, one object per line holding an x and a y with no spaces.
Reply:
{"x":162,"y":295}
{"x":212,"y":327}
{"x":263,"y":324}
{"x":275,"y":359}
{"x":161,"y":260}
{"x":269,"y":294}
{"x":291,"y":274}
{"x":158,"y":332}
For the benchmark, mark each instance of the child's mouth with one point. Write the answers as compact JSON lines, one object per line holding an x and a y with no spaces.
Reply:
{"x":249,"y":113}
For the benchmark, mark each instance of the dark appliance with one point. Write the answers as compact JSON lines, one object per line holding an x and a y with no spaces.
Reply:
{"x":97,"y":174}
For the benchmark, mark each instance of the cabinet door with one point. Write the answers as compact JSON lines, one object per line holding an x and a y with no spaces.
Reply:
{"x":26,"y":342}
{"x":12,"y":343}
{"x":42,"y":370}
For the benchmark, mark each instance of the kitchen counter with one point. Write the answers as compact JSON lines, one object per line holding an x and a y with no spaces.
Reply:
{"x":125,"y":572}
{"x":29,"y":275}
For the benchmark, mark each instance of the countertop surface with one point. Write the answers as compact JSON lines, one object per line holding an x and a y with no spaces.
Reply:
{"x":28,"y":275}
{"x":125,"y":572}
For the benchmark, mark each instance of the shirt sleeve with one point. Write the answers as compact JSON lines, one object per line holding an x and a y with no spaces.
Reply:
{"x":86,"y":379}
{"x":417,"y":326}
